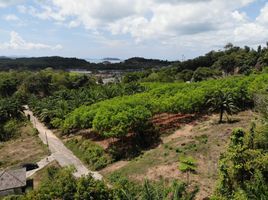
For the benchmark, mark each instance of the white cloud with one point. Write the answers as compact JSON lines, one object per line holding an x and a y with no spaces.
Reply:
{"x":169,"y":22}
{"x":251,"y":32}
{"x":263,"y":17}
{"x":22,"y":9}
{"x":11,"y":17}
{"x":73,"y":24}
{"x":5,"y":3}
{"x":18,"y":43}
{"x":240,"y":17}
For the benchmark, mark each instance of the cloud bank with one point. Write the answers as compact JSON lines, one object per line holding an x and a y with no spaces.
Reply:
{"x":18,"y":43}
{"x":168,"y":21}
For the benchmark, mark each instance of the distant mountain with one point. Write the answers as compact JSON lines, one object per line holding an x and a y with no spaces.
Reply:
{"x":4,"y":57}
{"x":56,"y":62}
{"x":36,"y":63}
{"x":111,"y":59}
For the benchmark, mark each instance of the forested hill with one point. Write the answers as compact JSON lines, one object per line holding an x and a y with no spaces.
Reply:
{"x":36,"y":63}
{"x":55,"y":62}
{"x":230,"y":60}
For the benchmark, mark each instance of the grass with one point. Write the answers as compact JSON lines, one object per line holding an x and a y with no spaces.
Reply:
{"x":202,"y":138}
{"x":26,"y":147}
{"x":205,"y":143}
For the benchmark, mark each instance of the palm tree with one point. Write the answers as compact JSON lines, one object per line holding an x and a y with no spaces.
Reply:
{"x":223,"y":103}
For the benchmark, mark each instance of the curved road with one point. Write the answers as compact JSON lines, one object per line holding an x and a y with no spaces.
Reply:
{"x":62,"y":154}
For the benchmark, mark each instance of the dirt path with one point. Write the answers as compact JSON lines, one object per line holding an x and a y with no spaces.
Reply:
{"x":59,"y":152}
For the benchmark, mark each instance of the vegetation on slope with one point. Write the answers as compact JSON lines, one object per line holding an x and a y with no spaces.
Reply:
{"x":60,"y":63}
{"x":113,"y":118}
{"x":244,"y":166}
{"x":214,"y":64}
{"x":60,"y":184}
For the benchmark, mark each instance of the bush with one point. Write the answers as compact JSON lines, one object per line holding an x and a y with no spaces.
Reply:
{"x":243,"y":167}
{"x":9,"y":130}
{"x":119,"y":116}
{"x":89,"y":152}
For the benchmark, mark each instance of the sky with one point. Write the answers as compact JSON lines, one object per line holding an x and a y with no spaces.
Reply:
{"x":163,"y":29}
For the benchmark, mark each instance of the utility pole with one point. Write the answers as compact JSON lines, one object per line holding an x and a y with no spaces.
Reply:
{"x":48,"y":151}
{"x":182,"y":58}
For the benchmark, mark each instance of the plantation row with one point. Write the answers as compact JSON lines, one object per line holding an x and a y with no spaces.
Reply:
{"x":52,"y":109}
{"x":119,"y":116}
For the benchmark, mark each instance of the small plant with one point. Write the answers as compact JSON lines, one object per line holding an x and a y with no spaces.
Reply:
{"x":166,"y":154}
{"x":178,"y":150}
{"x":202,"y":138}
{"x":187,"y":165}
{"x":191,"y":147}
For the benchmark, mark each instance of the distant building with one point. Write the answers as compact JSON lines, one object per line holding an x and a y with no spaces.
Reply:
{"x":12,"y":181}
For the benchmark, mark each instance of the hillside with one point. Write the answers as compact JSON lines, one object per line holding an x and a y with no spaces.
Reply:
{"x":146,"y":138}
{"x":55,"y":62}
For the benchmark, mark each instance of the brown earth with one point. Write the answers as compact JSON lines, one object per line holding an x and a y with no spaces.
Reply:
{"x":25,"y":148}
{"x":204,"y":140}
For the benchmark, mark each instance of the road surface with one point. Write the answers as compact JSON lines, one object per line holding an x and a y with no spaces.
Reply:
{"x":59,"y":152}
{"x":41,"y":164}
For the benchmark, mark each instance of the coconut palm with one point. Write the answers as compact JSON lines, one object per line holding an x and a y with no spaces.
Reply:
{"x":223,"y":103}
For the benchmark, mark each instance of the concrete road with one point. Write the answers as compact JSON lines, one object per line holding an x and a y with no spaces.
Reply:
{"x":59,"y":152}
{"x":41,"y":164}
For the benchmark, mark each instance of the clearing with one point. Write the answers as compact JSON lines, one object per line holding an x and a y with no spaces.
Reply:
{"x":25,"y":148}
{"x":204,"y":140}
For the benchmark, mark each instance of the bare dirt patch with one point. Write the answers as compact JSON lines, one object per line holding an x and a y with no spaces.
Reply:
{"x":113,"y":167}
{"x":185,"y":131}
{"x":167,"y":122}
{"x":204,"y":141}
{"x":25,"y":148}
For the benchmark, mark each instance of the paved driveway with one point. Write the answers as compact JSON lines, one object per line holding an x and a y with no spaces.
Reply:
{"x":59,"y":152}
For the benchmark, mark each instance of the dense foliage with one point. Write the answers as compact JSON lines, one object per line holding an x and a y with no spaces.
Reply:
{"x":121,"y":115}
{"x":10,"y":114}
{"x":55,"y":62}
{"x":54,"y":108}
{"x":89,"y":152}
{"x":71,"y":101}
{"x":60,"y":184}
{"x":232,"y":60}
{"x":244,"y":166}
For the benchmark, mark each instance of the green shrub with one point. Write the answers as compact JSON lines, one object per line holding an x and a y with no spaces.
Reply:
{"x":187,"y":164}
{"x":202,"y":138}
{"x":118,"y":116}
{"x":89,"y":152}
{"x":9,"y":130}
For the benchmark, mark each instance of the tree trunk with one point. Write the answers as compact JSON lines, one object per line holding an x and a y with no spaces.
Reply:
{"x":221,"y":115}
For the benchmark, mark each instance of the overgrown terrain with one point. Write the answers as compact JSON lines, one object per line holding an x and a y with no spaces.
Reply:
{"x":25,"y":147}
{"x":204,"y":140}
{"x":169,"y":133}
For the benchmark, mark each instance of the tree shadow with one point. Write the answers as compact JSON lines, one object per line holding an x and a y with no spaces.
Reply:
{"x":134,"y":144}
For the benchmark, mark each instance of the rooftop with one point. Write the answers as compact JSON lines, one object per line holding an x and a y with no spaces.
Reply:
{"x":10,"y":179}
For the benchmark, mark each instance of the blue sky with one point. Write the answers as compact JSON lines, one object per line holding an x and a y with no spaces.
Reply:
{"x":165,"y":29}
